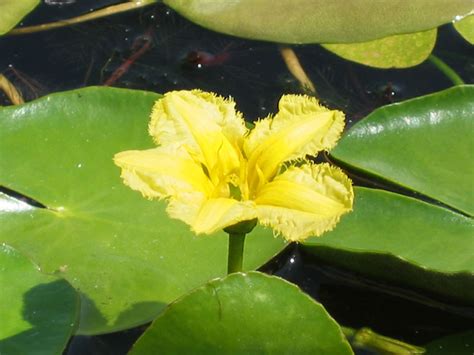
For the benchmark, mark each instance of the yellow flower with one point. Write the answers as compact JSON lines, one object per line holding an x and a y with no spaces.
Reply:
{"x":215,"y":173}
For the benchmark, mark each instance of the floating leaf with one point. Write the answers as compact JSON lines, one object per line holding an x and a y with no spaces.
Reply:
{"x":39,"y":312}
{"x":123,"y":252}
{"x":319,"y":21}
{"x":12,"y":11}
{"x":399,"y":51}
{"x":242,"y":314}
{"x":403,"y":240}
{"x":424,"y":144}
{"x":466,"y":28}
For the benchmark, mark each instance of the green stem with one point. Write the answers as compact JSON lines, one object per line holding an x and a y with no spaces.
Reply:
{"x":236,"y":252}
{"x":446,"y":70}
{"x":366,"y":338}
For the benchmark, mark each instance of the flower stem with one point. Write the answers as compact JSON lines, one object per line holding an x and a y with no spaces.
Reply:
{"x":446,"y":70}
{"x":236,"y":252}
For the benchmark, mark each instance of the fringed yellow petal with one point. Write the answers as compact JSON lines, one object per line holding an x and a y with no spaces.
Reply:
{"x":301,"y":127}
{"x":301,"y":106}
{"x":205,"y":124}
{"x":232,"y":123}
{"x":305,"y":201}
{"x":219,"y":213}
{"x":214,"y":175}
{"x":162,"y":173}
{"x":186,"y":206}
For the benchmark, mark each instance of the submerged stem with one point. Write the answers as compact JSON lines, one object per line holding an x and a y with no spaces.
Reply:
{"x":293,"y":64}
{"x":366,"y":338}
{"x":446,"y":70}
{"x":107,"y":11}
{"x":236,"y":252}
{"x":10,"y":90}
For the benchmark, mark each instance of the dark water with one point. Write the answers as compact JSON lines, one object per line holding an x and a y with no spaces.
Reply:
{"x":177,"y":54}
{"x":250,"y":71}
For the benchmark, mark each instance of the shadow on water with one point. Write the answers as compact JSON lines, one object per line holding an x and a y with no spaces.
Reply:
{"x":114,"y":343}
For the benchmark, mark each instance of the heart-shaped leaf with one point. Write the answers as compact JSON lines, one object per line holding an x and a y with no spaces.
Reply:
{"x":38,"y":312}
{"x":403,"y":240}
{"x":242,"y":314}
{"x":123,"y":252}
{"x":320,"y":21}
{"x":12,"y":11}
{"x":399,"y":51}
{"x":424,"y":144}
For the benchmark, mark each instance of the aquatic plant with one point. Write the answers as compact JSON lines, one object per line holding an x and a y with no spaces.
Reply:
{"x":83,"y":254}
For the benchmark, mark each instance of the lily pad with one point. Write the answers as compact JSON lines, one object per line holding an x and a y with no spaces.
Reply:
{"x":399,"y":51}
{"x":242,"y":314}
{"x":320,"y":21}
{"x":466,"y":28}
{"x":405,"y":241}
{"x":424,"y":144}
{"x":39,"y":312}
{"x":12,"y":11}
{"x":123,"y":252}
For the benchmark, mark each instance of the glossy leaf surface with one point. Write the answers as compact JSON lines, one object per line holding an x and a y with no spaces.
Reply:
{"x":320,"y":21}
{"x":403,"y":240}
{"x":122,"y":251}
{"x":399,"y":51}
{"x":424,"y":144}
{"x":242,"y":314}
{"x":38,"y":312}
{"x":466,"y":28}
{"x":12,"y":11}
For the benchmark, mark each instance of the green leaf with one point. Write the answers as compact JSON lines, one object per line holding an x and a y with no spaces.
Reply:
{"x":466,"y":28}
{"x":320,"y":21}
{"x":456,"y":344}
{"x":12,"y":11}
{"x":242,"y":314}
{"x":403,"y":240}
{"x":123,"y":252}
{"x":38,"y":312}
{"x":399,"y":51}
{"x":424,"y":144}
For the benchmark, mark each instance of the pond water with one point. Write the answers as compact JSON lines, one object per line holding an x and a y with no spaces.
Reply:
{"x":164,"y":52}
